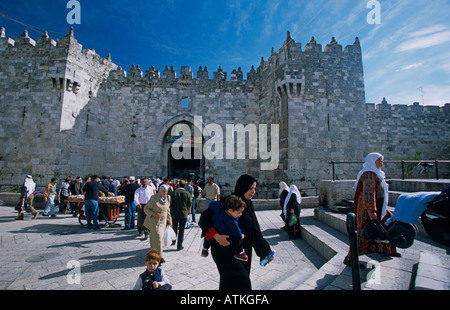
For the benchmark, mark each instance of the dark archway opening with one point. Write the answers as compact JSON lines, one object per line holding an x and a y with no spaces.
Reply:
{"x":186,"y":165}
{"x":182,"y":168}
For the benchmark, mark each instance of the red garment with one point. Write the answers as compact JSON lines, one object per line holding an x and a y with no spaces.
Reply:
{"x":211,"y":233}
{"x":369,"y":195}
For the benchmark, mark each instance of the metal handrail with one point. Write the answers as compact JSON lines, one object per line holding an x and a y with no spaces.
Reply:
{"x":435,"y":162}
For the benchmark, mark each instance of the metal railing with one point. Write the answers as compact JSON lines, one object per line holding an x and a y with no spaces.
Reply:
{"x":424,"y":165}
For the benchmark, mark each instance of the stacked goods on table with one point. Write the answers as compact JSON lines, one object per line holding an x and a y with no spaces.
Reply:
{"x":118,"y":199}
{"x":76,"y":198}
{"x":103,"y":199}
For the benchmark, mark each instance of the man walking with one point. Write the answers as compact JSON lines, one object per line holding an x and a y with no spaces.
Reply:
{"x":180,"y":205}
{"x":26,"y":197}
{"x":49,"y":197}
{"x":211,"y":190}
{"x":191,"y":190}
{"x":76,"y":188}
{"x":92,"y":190}
{"x":130,"y":209}
{"x":141,"y":198}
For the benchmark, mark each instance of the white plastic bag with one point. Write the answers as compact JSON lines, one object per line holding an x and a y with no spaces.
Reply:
{"x":169,"y":236}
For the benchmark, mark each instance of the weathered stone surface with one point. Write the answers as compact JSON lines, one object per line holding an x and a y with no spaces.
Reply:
{"x":66,"y":111}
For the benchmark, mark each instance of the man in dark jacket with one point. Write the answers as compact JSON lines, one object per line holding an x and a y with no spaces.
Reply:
{"x":130,"y":209}
{"x":180,"y":206}
{"x":76,"y":188}
{"x":92,"y":190}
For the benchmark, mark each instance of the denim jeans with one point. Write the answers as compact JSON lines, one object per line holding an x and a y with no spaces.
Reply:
{"x":91,"y":213}
{"x":50,"y":206}
{"x":130,"y":215}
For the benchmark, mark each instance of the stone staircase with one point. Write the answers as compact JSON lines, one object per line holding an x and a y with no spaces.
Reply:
{"x":425,"y":265}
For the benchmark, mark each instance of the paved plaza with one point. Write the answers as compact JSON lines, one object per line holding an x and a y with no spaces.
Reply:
{"x":44,"y":254}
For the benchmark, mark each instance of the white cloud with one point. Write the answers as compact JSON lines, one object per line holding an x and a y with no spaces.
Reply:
{"x":424,"y":41}
{"x":428,"y":30}
{"x":408,"y":67}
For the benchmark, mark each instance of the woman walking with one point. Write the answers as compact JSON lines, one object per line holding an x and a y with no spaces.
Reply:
{"x":157,"y":212}
{"x":371,"y":200}
{"x":291,"y":212}
{"x":235,"y":274}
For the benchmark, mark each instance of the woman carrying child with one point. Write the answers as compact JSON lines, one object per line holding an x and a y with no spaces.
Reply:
{"x":225,"y":221}
{"x":235,"y":274}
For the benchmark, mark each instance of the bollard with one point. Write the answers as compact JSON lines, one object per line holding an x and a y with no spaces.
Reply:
{"x":354,"y":252}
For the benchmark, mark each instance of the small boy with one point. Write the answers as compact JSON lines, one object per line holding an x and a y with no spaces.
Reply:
{"x":154,"y":277}
{"x":225,"y":221}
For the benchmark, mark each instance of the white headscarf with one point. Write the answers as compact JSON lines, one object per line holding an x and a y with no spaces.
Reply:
{"x":30,"y":185}
{"x":283,"y":186}
{"x":369,"y":165}
{"x":163,"y":187}
{"x":292,"y":190}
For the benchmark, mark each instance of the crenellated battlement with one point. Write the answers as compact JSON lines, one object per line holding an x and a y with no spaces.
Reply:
{"x":66,"y":110}
{"x":415,"y":110}
{"x":26,"y":47}
{"x":293,"y":51}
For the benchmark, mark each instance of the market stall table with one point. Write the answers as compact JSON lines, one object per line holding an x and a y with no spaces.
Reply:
{"x":108,"y":209}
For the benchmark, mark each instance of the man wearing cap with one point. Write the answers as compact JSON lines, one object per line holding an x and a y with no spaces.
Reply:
{"x":130,"y":209}
{"x":141,"y":197}
{"x":26,"y":198}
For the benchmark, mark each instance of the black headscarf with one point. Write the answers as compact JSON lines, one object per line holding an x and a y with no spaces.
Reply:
{"x":248,"y":222}
{"x":243,"y":184}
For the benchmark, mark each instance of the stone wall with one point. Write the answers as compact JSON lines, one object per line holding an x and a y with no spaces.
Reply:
{"x":67,"y":111}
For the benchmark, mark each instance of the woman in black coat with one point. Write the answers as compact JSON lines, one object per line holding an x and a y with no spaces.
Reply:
{"x":284,"y":191}
{"x":291,"y":212}
{"x":235,"y":274}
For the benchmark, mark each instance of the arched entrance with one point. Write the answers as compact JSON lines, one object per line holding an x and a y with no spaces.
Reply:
{"x":188,"y":147}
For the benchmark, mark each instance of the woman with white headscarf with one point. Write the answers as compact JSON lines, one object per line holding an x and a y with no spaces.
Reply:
{"x":291,"y":212}
{"x":370,"y":203}
{"x":157,"y":212}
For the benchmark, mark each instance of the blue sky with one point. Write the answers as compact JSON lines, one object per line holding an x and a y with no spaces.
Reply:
{"x":408,"y":52}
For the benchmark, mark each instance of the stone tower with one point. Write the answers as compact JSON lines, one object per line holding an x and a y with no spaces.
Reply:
{"x":67,"y":111}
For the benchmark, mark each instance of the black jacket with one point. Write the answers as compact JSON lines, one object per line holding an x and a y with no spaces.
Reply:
{"x":92,"y":190}
{"x":129,"y":191}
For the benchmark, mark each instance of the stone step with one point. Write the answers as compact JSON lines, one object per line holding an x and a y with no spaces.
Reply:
{"x":337,"y":220}
{"x":433,"y":272}
{"x":330,"y":243}
{"x":388,"y":273}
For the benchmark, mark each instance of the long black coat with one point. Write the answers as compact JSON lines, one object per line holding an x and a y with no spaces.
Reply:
{"x":235,"y":274}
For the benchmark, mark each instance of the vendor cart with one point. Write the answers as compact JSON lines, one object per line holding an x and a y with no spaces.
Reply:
{"x":108,"y":209}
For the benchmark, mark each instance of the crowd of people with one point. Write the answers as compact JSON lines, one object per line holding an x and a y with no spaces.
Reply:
{"x":229,"y":225}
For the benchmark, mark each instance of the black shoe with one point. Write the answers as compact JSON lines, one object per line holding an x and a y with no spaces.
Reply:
{"x":180,"y":248}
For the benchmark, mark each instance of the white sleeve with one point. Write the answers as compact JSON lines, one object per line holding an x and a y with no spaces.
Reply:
{"x":136,"y":197}
{"x":138,"y":284}
{"x":164,"y":279}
